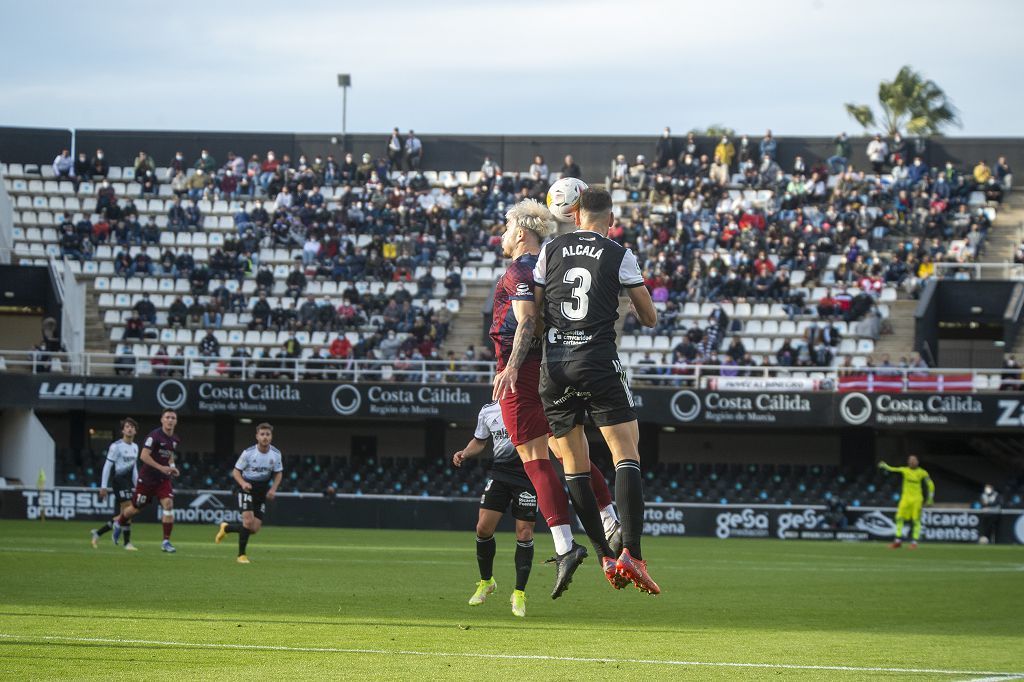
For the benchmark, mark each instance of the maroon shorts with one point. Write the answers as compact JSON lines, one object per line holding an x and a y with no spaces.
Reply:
{"x":522,"y":411}
{"x":146,"y":492}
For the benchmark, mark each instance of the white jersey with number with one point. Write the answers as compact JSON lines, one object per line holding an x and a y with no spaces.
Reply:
{"x":489,"y":425}
{"x":259,"y":466}
{"x":121,"y":460}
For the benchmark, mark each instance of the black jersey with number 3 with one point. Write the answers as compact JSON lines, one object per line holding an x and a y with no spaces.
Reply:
{"x":582,"y":274}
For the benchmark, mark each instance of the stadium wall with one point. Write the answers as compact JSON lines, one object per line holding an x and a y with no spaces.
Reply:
{"x":997,"y":412}
{"x":783,"y":522}
{"x":454,"y":152}
{"x":27,"y":447}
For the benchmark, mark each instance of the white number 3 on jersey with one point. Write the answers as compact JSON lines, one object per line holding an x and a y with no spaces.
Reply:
{"x":580,"y":279}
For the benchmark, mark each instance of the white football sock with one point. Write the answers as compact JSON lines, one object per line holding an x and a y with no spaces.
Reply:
{"x":563,"y":538}
{"x":609,"y":518}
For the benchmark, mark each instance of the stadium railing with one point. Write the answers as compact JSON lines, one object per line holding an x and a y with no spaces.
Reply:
{"x":712,"y":377}
{"x":1004,"y":271}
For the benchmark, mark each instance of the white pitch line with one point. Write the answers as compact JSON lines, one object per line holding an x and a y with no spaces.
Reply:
{"x":513,"y":657}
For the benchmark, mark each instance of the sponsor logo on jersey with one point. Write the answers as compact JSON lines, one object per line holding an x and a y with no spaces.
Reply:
{"x":522,"y":289}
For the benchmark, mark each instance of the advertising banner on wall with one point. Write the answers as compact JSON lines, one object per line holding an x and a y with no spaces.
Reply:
{"x":781,"y":522}
{"x":752,"y":405}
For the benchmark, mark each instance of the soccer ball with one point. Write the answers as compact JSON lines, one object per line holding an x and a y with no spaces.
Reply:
{"x":983,"y":540}
{"x":564,"y":198}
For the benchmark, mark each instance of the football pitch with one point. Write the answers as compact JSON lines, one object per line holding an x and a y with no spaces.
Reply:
{"x":334,"y":603}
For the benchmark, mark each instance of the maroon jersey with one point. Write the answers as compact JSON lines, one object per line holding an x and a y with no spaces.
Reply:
{"x":161,"y":448}
{"x":515,"y":285}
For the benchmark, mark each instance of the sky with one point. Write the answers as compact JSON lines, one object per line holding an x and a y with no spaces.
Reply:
{"x":521,"y":67}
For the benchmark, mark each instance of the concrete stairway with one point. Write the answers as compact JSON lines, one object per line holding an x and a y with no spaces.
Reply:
{"x":466,"y":328}
{"x":97,"y":337}
{"x":1005,"y":234}
{"x":901,"y":341}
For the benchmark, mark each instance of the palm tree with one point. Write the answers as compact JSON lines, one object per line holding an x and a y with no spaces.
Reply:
{"x":910,"y":103}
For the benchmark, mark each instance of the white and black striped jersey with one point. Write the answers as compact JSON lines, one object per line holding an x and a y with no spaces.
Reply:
{"x":121,"y":461}
{"x":257,"y":466}
{"x":582,"y":274}
{"x":489,"y":425}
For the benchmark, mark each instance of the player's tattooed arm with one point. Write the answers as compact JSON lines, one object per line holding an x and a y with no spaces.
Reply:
{"x":525,"y":333}
{"x":526,"y":318}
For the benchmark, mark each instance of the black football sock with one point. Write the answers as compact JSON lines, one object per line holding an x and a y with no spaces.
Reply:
{"x":106,"y":528}
{"x":629,"y":497}
{"x":234,"y":528}
{"x":485,"y":548}
{"x":127,"y":533}
{"x":243,"y":540}
{"x":524,"y":561}
{"x":585,"y":504}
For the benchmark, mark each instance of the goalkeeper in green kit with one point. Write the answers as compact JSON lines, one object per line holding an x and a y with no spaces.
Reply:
{"x":911,"y":499}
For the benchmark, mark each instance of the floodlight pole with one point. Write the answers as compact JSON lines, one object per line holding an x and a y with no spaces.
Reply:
{"x":344,"y":82}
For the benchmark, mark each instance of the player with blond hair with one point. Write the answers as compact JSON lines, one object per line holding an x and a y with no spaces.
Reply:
{"x":515,"y":331}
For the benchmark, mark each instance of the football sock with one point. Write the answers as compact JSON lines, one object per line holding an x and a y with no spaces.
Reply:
{"x":106,"y":528}
{"x":600,"y":486}
{"x":915,"y":529}
{"x":168,"y":527}
{"x":524,"y":561}
{"x":485,"y":548}
{"x":234,"y":528}
{"x":608,"y":517}
{"x":562,"y":535}
{"x":552,"y":501}
{"x":585,"y":504}
{"x":243,"y":541}
{"x":899,"y":527}
{"x":629,"y":492}
{"x":127,"y":533}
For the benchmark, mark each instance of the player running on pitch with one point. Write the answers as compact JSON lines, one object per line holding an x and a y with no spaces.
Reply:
{"x":518,"y":352}
{"x":157,"y":457}
{"x":911,"y":499}
{"x":258,"y":473}
{"x":579,"y":276}
{"x":507,"y":487}
{"x":121,"y":460}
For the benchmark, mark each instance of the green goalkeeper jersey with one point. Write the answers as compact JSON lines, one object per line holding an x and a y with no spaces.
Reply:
{"x":912,"y":479}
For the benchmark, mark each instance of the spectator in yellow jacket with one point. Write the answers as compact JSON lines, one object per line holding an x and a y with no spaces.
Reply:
{"x":724,"y":152}
{"x":982,"y":172}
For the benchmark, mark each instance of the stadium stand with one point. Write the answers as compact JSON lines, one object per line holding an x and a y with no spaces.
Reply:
{"x":355,"y":250}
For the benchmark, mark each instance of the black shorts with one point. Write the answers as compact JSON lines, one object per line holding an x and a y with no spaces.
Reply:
{"x":498,"y":495}
{"x":254,"y":501}
{"x":123,"y":488}
{"x":570,"y":390}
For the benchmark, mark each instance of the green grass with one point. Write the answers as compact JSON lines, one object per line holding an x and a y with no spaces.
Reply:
{"x":64,"y":606}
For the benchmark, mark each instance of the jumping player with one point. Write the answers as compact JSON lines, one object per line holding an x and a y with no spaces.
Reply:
{"x":253,"y":471}
{"x":911,"y":499}
{"x":518,"y":351}
{"x":157,"y":457}
{"x":507,"y":487}
{"x":579,"y":276}
{"x":121,"y":459}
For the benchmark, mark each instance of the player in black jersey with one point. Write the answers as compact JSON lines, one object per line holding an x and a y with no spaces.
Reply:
{"x":579,"y":277}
